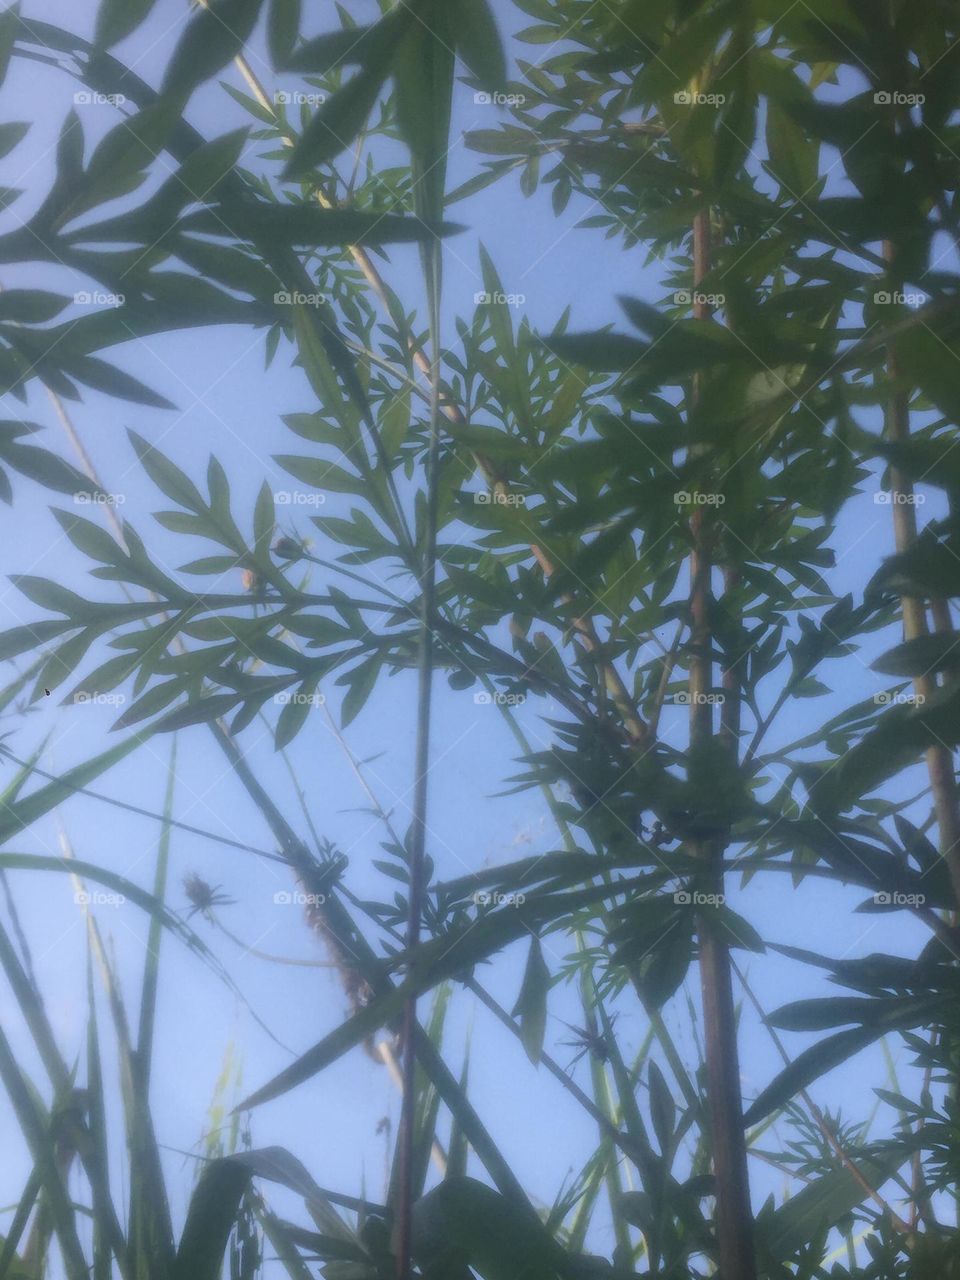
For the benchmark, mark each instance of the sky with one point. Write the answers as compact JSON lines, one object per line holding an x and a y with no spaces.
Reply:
{"x":230,"y":405}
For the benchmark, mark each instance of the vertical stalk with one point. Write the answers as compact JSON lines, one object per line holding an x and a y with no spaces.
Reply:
{"x":433,"y":264}
{"x":943,"y":783}
{"x":734,"y":1213}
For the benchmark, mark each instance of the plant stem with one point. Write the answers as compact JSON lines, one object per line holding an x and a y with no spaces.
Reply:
{"x":734,"y":1213}
{"x":940,"y":768}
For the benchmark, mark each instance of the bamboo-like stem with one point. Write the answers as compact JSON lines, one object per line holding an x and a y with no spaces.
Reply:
{"x":734,"y":1212}
{"x":940,"y":769}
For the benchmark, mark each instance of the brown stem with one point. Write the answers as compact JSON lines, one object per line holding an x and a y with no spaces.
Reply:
{"x":734,"y":1212}
{"x":943,"y":783}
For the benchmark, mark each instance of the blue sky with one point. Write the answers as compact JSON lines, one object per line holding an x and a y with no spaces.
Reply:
{"x":229,"y":405}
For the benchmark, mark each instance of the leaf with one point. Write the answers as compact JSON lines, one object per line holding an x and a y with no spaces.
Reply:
{"x":46,"y":468}
{"x":214,"y":35}
{"x":464,"y":1223}
{"x":663,"y":1112}
{"x":362,"y":681}
{"x":335,"y":125}
{"x":809,"y":1215}
{"x":116,"y":19}
{"x":211,"y":1215}
{"x":283,"y":28}
{"x":479,"y":43}
{"x":531,"y":1006}
{"x":809,"y":1066}
{"x":168,"y":477}
{"x":920,"y":656}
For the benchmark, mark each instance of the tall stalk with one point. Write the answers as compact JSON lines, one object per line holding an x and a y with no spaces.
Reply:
{"x":943,"y":783}
{"x":734,"y":1213}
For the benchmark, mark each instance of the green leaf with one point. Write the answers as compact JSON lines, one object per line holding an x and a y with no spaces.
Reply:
{"x":809,"y":1066}
{"x":531,"y":1006}
{"x":920,"y":656}
{"x":214,"y":35}
{"x":663,"y":1112}
{"x":809,"y":1215}
{"x":362,"y":681}
{"x":464,"y":1223}
{"x":479,"y":43}
{"x":283,"y":28}
{"x":211,"y":1215}
{"x":167,"y":476}
{"x":118,"y":18}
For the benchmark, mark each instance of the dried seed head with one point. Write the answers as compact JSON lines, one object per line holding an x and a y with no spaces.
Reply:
{"x":203,"y":896}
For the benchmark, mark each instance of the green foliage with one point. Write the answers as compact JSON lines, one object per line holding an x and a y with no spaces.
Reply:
{"x":621,"y":528}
